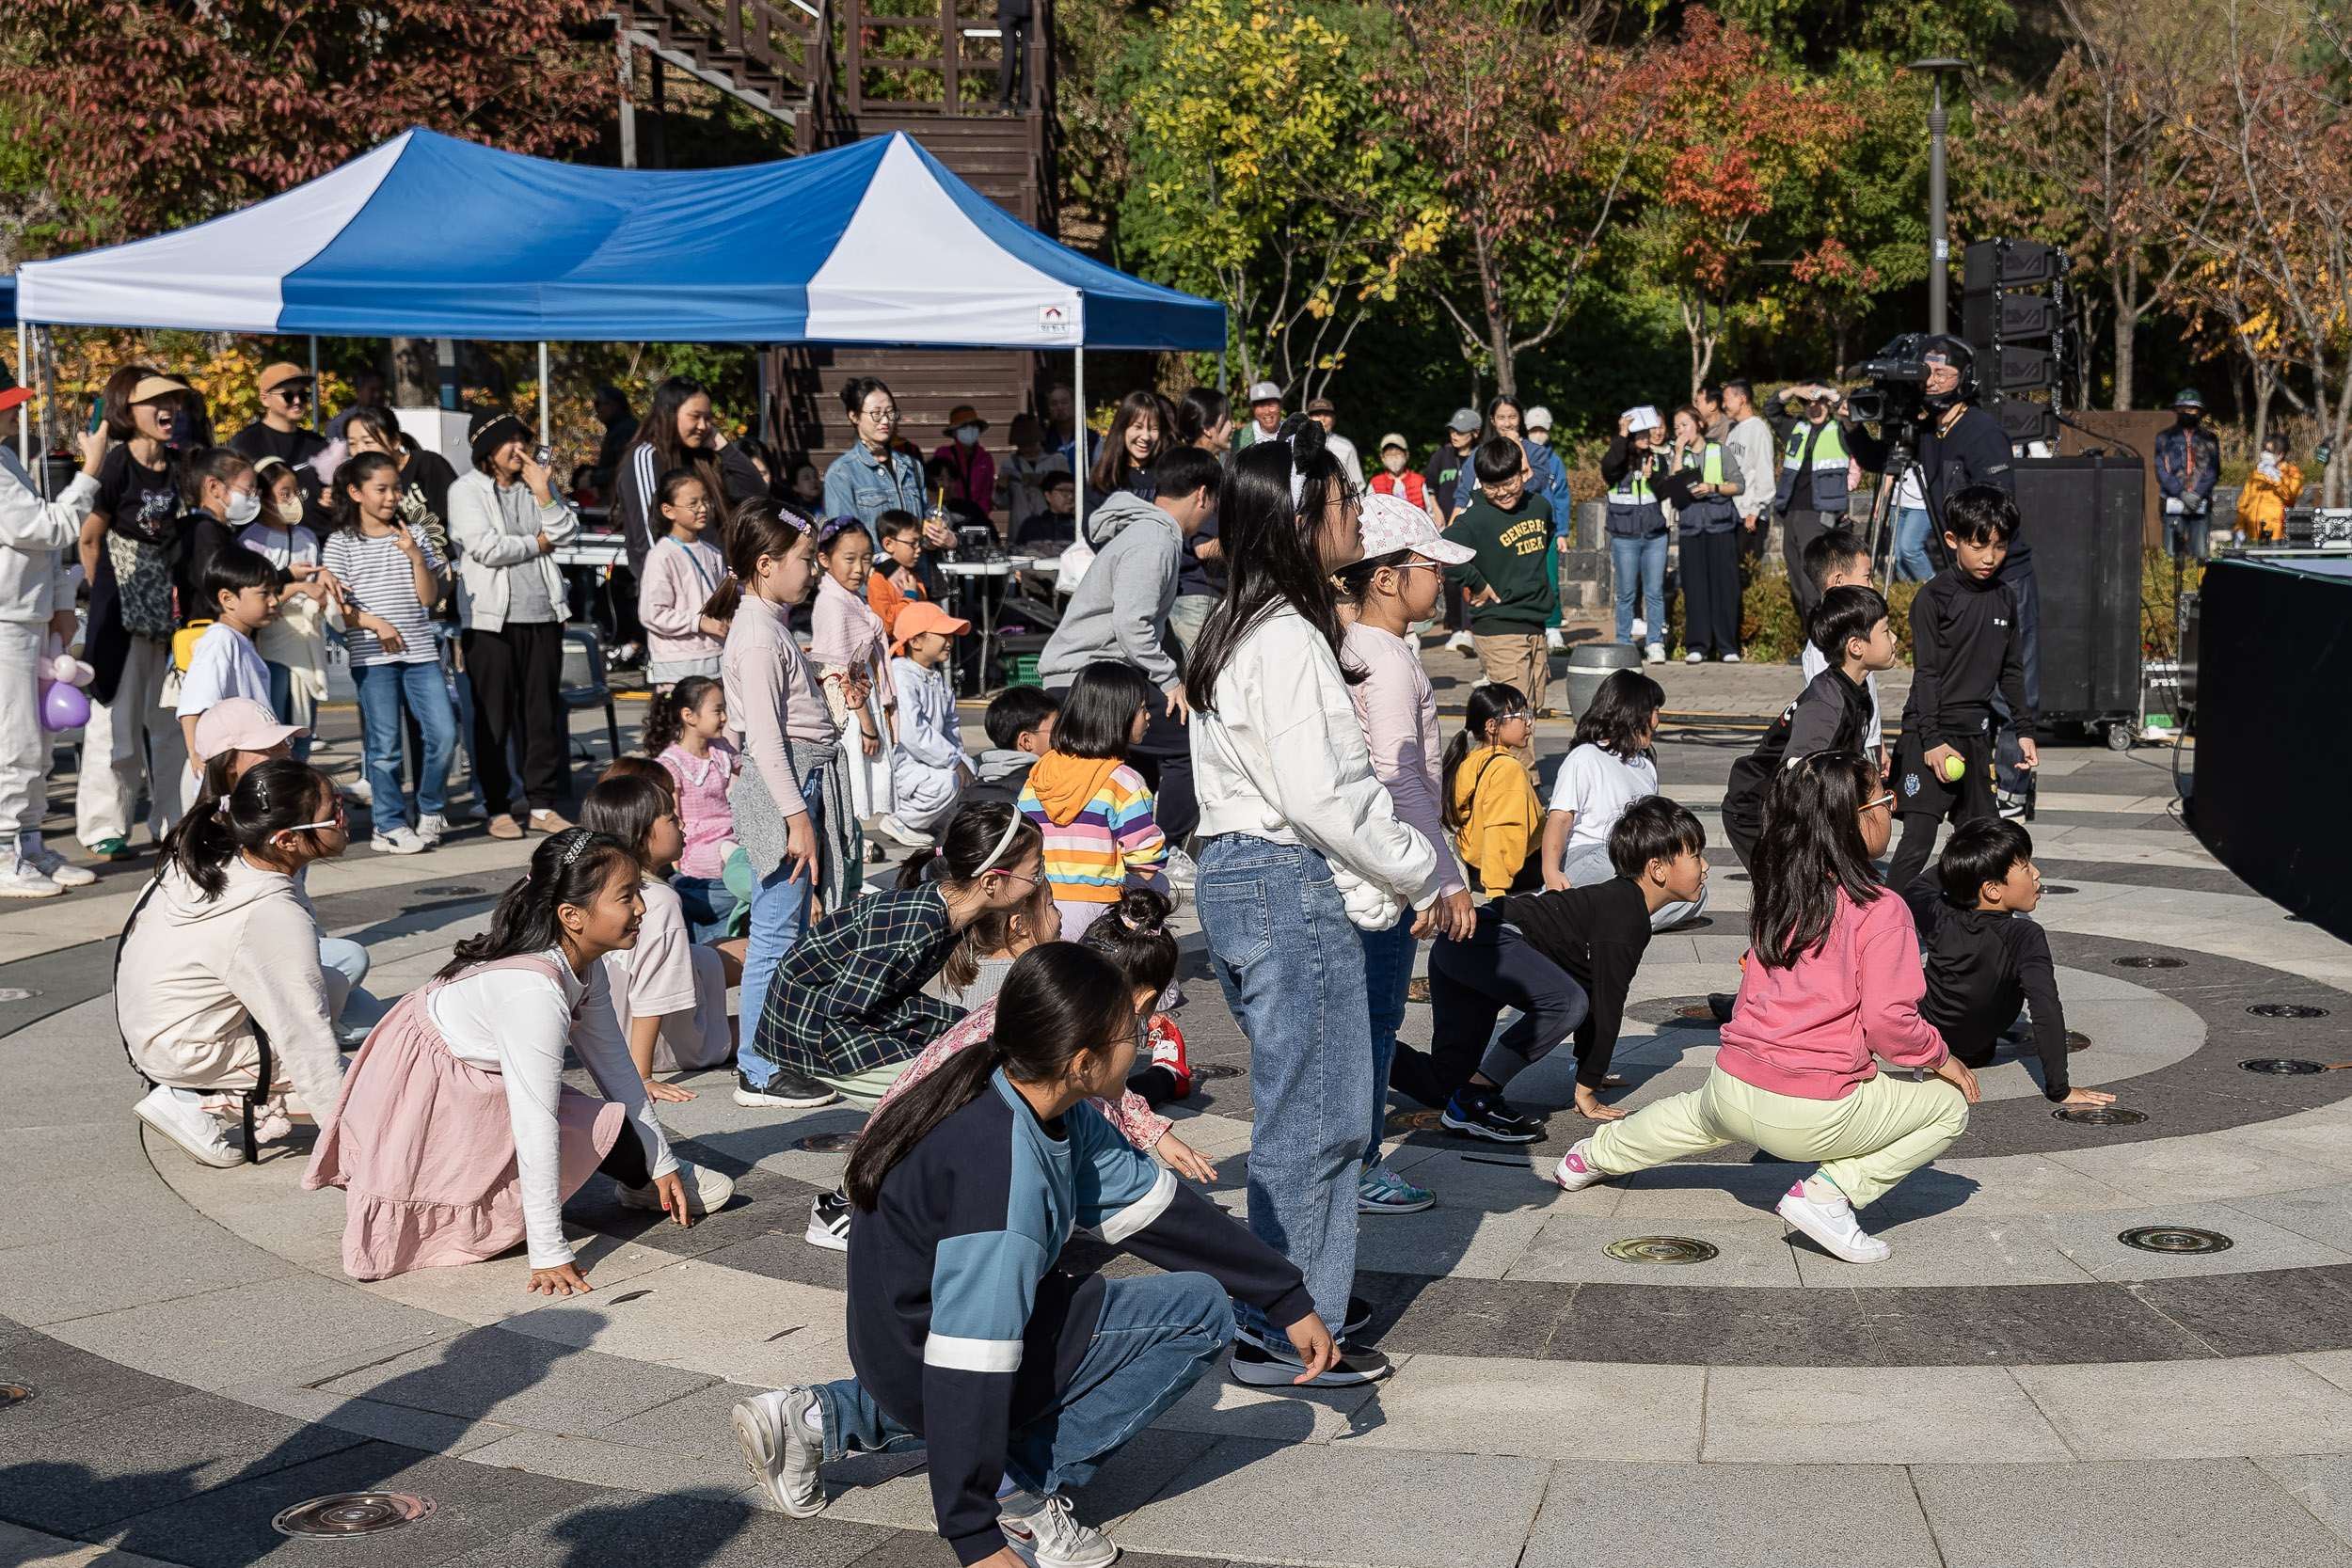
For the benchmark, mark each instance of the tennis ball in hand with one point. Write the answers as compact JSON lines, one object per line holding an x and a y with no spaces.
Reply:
{"x":1955,"y":768}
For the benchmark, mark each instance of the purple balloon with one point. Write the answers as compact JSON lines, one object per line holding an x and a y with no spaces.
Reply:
{"x":64,"y":707}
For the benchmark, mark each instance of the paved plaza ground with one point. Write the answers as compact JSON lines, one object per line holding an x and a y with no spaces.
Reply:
{"x":2015,"y":1387}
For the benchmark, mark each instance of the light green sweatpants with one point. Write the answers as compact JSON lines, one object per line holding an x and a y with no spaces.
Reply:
{"x":1866,"y":1143}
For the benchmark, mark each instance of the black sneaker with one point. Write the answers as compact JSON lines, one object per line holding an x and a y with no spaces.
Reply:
{"x":1482,"y":1113}
{"x":787,"y":1090}
{"x":1359,"y":1314}
{"x":829,"y":1222}
{"x":1258,"y":1367}
{"x":1720,"y":1003}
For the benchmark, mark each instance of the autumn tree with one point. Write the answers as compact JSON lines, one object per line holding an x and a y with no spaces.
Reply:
{"x":151,"y":115}
{"x":1263,"y":182}
{"x":1530,"y":128}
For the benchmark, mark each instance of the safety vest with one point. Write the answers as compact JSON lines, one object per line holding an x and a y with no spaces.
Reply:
{"x":1829,"y":467}
{"x":1634,"y":512}
{"x":1709,"y":513}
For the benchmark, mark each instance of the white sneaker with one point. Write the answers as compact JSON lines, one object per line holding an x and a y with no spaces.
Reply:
{"x":1695,"y":657}
{"x":1043,"y":1532}
{"x":58,"y":869}
{"x":706,"y":1191}
{"x":783,"y":1450}
{"x":1656,"y":653}
{"x":1460,"y":643}
{"x":1833,"y":1225}
{"x":186,"y":1123}
{"x":892,"y":827}
{"x":1577,"y":1171}
{"x":1182,"y":871}
{"x":430,"y":825}
{"x":1553,"y":639}
{"x":22,"y":879}
{"x":358,"y":789}
{"x":400,"y":839}
{"x":1731,"y":658}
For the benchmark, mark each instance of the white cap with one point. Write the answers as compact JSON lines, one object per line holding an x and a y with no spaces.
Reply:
{"x":1392,"y":523}
{"x":1538,"y":418}
{"x":1265,"y":391}
{"x":1643,"y":418}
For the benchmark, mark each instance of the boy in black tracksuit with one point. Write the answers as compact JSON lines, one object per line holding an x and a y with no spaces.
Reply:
{"x":1832,"y":714}
{"x":1965,"y":643}
{"x":1984,"y":959}
{"x":1566,"y":961}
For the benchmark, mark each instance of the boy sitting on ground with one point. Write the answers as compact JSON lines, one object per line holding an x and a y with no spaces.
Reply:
{"x":1984,"y":959}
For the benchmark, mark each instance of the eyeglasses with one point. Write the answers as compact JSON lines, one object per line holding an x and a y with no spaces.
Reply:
{"x":1014,"y":876}
{"x":1888,"y":799}
{"x":880,"y":416}
{"x":291,"y":394}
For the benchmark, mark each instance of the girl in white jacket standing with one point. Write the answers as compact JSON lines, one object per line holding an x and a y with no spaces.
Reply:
{"x":36,"y":603}
{"x":218,"y":970}
{"x":1300,"y":844}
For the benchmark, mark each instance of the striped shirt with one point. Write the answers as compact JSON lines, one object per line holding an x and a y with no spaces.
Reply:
{"x":378,"y":579}
{"x":1098,"y":840}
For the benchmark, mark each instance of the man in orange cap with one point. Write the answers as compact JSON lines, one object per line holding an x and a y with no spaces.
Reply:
{"x":973,"y":469}
{"x":285,"y":431}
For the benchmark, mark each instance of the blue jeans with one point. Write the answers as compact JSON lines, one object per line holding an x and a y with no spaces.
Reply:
{"x":281,"y":704}
{"x":1293,"y":971}
{"x":343,"y":965}
{"x":1911,"y":544}
{"x":708,"y":905}
{"x":384,"y":689}
{"x":1157,"y":1337}
{"x":1387,"y":974}
{"x":779,"y":914}
{"x":1645,"y":560}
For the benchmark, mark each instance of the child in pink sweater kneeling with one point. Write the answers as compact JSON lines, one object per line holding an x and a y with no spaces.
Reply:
{"x":1834,"y":979}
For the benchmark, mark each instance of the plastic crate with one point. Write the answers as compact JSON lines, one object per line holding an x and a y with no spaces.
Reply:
{"x":1024,"y":671}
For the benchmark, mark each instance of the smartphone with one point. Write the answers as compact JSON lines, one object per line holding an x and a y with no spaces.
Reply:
{"x":544,"y":456}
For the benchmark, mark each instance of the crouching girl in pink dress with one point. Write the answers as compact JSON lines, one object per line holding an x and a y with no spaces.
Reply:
{"x":455,"y":1136}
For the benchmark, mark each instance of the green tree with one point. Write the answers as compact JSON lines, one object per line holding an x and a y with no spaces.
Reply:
{"x":1262,"y":180}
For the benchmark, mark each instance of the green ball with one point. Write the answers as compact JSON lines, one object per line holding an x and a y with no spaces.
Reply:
{"x":1955,"y":768}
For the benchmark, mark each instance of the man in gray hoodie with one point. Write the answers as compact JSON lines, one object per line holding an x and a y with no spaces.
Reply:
{"x":1119,"y":612}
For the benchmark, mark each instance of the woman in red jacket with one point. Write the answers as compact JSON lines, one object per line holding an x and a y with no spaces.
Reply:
{"x":1833,"y":980}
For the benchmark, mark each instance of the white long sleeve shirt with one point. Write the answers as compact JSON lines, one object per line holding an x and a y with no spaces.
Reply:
{"x":37,"y":538}
{"x":516,"y":1023}
{"x":1283,"y":758}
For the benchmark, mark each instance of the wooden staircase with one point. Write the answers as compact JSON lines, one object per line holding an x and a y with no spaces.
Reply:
{"x":845,"y":72}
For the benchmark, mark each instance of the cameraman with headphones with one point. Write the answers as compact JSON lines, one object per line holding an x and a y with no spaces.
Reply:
{"x":1959,"y":445}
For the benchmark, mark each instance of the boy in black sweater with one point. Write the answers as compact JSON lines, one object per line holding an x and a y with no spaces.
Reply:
{"x":1983,"y":959}
{"x":1833,"y":713}
{"x":1965,"y":646}
{"x":1020,"y":726}
{"x":1565,"y":959}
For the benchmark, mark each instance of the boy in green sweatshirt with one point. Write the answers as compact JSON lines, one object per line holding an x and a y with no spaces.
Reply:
{"x":1511,"y":596}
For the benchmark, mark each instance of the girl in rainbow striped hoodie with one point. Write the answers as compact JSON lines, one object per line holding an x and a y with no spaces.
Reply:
{"x":1094,"y":809}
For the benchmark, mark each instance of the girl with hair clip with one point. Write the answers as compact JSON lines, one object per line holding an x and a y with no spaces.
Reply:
{"x":849,"y":1008}
{"x":680,"y":573}
{"x":686,"y":732}
{"x":1610,"y":766}
{"x":668,"y":992}
{"x":851,"y":648}
{"x":1135,"y":936}
{"x":1396,"y":585}
{"x":791,"y":801}
{"x":456,"y":1135}
{"x":1490,"y":805}
{"x":1021,"y":1378}
{"x":1830,"y":987}
{"x":224,"y":959}
{"x":1300,"y":845}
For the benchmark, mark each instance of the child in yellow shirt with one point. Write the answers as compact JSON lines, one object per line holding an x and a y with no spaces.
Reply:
{"x":1490,"y":803}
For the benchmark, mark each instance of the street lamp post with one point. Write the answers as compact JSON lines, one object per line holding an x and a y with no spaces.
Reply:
{"x":1939,"y":244}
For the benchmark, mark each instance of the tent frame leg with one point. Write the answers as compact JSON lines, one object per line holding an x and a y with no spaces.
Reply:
{"x":24,"y":378}
{"x":1078,"y":453}
{"x":314,"y":381}
{"x":544,"y":438}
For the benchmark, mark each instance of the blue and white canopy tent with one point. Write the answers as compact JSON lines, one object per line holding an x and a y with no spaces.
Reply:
{"x":873,"y":244}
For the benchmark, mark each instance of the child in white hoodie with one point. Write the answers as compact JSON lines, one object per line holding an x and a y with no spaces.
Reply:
{"x":220,"y":956}
{"x":36,"y":603}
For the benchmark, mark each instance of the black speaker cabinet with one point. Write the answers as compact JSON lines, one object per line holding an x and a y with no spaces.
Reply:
{"x":2083,"y":516}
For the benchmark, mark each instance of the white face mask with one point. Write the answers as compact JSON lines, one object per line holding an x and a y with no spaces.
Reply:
{"x":1540,"y":436}
{"x":1393,"y":461}
{"x":290,"y":511}
{"x":967,"y":434}
{"x":244,"y":506}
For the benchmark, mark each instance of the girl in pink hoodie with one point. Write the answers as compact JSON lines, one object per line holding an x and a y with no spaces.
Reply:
{"x":1833,"y":982}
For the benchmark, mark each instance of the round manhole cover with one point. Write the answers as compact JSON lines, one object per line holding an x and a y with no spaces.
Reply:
{"x":14,"y":1393}
{"x":2282,"y":1065}
{"x":2057,"y":887}
{"x":452,"y":890}
{"x":349,"y":1514}
{"x":2176,"y":1238}
{"x":2285,"y":1009}
{"x":826,"y":1143}
{"x":1660,"y":1249}
{"x":1215,"y":1070}
{"x":1413,"y":1122}
{"x":2099,"y":1116}
{"x":2150,"y":960}
{"x":2078,"y":1041}
{"x":16,"y":993}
